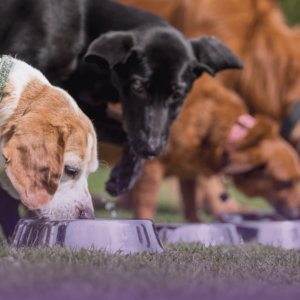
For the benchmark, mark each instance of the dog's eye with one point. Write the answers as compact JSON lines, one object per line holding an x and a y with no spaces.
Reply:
{"x":137,"y":86}
{"x":175,"y":97}
{"x":70,"y":171}
{"x":285,"y":183}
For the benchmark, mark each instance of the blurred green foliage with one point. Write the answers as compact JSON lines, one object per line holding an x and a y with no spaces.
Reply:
{"x":291,"y":9}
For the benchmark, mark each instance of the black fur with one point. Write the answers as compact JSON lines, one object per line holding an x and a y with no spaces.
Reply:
{"x":137,"y":59}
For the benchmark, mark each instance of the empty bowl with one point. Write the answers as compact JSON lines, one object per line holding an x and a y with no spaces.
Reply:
{"x":111,"y":235}
{"x":209,"y":234}
{"x":285,"y":234}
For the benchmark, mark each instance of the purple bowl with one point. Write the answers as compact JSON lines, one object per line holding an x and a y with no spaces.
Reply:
{"x":111,"y":235}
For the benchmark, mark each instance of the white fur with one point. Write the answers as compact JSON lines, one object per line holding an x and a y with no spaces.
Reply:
{"x":94,"y":164}
{"x":19,"y":77}
{"x":72,"y":194}
{"x":71,"y":197}
{"x":71,"y":100}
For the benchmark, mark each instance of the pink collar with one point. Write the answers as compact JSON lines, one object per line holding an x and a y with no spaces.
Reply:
{"x":241,"y":128}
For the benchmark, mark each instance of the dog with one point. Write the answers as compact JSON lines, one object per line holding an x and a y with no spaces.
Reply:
{"x":138,"y":60}
{"x":206,"y":192}
{"x":255,"y":30}
{"x":223,"y":139}
{"x":48,"y":145}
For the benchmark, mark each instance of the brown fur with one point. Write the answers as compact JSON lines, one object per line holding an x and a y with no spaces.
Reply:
{"x":197,"y":143}
{"x":255,"y":30}
{"x":35,"y":154}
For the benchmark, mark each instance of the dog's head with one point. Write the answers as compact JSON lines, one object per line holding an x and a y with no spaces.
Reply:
{"x":261,"y":163}
{"x":153,"y":70}
{"x":48,"y":150}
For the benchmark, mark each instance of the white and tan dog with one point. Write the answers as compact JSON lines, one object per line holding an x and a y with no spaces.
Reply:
{"x":48,"y":145}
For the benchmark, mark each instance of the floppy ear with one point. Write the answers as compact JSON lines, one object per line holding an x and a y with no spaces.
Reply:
{"x":247,"y":154}
{"x":109,"y":49}
{"x":213,"y":56}
{"x":238,"y":162}
{"x":34,"y":161}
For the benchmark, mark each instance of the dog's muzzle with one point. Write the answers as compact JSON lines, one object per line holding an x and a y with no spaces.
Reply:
{"x":86,"y":214}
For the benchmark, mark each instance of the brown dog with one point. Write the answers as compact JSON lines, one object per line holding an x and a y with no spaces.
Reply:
{"x":222,"y":140}
{"x":208,"y":192}
{"x":256,"y":31}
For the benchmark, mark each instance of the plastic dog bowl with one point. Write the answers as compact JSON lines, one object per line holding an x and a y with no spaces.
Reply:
{"x":285,"y":234}
{"x":255,"y":216}
{"x":209,"y":234}
{"x":111,"y":235}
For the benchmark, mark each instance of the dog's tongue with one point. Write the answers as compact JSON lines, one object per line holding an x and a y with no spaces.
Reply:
{"x":125,"y":174}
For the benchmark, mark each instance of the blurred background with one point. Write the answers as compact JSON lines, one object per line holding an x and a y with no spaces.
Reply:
{"x":169,"y":204}
{"x":291,"y":8}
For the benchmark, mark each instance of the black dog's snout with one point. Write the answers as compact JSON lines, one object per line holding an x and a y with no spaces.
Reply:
{"x":149,"y":148}
{"x":86,"y":214}
{"x":148,"y":151}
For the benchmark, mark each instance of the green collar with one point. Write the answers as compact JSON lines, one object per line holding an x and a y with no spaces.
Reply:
{"x":6,"y":65}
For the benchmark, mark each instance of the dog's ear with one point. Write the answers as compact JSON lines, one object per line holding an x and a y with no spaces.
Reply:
{"x":246,"y":153}
{"x":110,"y":49}
{"x":213,"y":56}
{"x":34,"y":160}
{"x":239,"y":162}
{"x":264,"y":129}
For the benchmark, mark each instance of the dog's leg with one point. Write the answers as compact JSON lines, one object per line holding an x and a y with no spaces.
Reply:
{"x":9,"y":213}
{"x":217,"y":199}
{"x":126,"y":173}
{"x":144,"y":193}
{"x":188,"y":192}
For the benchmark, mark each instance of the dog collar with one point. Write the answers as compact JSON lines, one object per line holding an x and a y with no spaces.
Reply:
{"x":291,"y":121}
{"x":6,"y":65}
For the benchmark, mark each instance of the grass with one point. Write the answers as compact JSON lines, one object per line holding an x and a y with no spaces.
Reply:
{"x":169,"y":208}
{"x":182,"y":272}
{"x":291,"y":8}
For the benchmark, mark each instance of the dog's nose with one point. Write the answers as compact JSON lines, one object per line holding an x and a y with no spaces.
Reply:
{"x":149,"y":151}
{"x":86,"y":214}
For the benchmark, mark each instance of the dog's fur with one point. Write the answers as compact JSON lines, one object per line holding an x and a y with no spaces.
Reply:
{"x":206,"y":192}
{"x":262,"y":163}
{"x":48,"y":146}
{"x":142,"y":61}
{"x":256,"y":31}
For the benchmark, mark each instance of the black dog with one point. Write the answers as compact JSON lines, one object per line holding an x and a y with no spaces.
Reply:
{"x":141,"y":61}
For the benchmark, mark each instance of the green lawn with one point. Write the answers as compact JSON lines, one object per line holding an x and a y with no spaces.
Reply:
{"x":291,"y":9}
{"x":182,"y":272}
